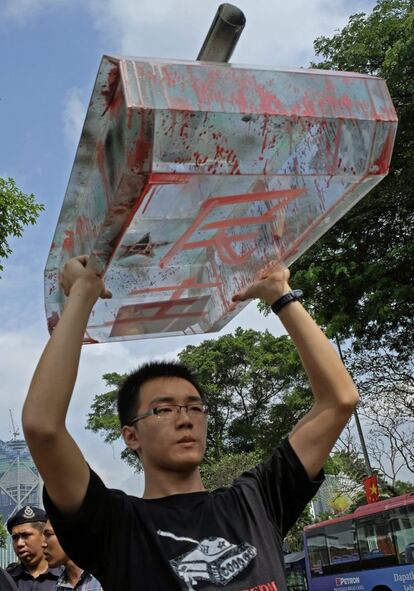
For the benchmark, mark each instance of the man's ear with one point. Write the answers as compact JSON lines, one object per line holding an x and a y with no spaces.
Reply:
{"x":131,"y":438}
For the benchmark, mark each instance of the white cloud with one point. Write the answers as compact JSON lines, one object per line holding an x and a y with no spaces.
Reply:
{"x":74,"y":111}
{"x":279,"y":34}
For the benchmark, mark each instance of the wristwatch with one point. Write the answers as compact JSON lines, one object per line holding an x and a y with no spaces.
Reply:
{"x":292,"y":296}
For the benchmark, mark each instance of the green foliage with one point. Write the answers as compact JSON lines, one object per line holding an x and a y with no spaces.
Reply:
{"x":346,"y":462}
{"x":403,"y":488}
{"x":3,"y":534}
{"x":103,"y":418}
{"x":17,"y":210}
{"x":256,"y":389}
{"x":295,"y":535}
{"x":358,"y":278}
{"x":222,"y":472}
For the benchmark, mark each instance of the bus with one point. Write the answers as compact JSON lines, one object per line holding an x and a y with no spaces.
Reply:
{"x":371,"y":549}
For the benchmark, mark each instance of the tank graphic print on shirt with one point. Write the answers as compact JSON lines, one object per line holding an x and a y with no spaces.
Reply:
{"x":214,"y":560}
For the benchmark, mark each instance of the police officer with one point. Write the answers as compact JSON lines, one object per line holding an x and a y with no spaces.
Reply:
{"x":32,"y":573}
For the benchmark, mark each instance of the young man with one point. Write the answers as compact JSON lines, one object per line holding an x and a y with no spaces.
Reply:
{"x":72,"y":576}
{"x":179,"y":536}
{"x":26,"y":529}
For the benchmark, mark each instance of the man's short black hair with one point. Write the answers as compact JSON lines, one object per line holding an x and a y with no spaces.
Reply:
{"x":128,"y":393}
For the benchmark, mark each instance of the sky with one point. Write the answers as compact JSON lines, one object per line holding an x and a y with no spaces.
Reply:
{"x":50,"y":53}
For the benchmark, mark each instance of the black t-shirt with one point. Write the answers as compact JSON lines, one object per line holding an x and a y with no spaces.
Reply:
{"x":231,"y":537}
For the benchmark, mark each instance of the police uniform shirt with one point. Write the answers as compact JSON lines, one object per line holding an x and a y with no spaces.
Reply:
{"x":44,"y":582}
{"x":6,"y":582}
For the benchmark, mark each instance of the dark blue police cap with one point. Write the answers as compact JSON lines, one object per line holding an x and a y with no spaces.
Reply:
{"x":27,"y":514}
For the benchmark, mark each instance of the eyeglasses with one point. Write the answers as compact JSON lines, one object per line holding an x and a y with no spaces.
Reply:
{"x":169,"y":411}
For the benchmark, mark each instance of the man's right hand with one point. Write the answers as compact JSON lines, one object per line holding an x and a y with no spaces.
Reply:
{"x":56,"y":455}
{"x":78,"y":277}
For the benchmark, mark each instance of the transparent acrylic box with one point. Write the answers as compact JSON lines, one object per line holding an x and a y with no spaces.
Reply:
{"x":189,"y":177}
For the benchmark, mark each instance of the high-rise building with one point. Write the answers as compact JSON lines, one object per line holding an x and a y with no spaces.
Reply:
{"x":20,"y":483}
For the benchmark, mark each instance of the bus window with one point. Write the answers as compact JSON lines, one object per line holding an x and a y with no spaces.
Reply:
{"x":318,"y":555}
{"x":341,"y":543}
{"x":403,"y":527}
{"x":375,"y":538}
{"x":296,"y":581}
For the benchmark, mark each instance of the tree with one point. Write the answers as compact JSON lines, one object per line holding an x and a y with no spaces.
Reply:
{"x":17,"y":210}
{"x":358,"y":277}
{"x":255,"y":386}
{"x":386,"y":384}
{"x":223,"y":471}
{"x":391,"y":439}
{"x":294,"y":537}
{"x":385,"y":459}
{"x":384,"y":376}
{"x":103,"y":418}
{"x":3,"y":534}
{"x":256,"y":389}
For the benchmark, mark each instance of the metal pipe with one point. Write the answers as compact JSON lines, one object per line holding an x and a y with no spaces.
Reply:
{"x":224,"y":33}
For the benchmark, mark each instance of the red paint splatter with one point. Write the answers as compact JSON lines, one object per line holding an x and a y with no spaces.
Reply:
{"x":180,"y":104}
{"x":140,"y":154}
{"x":184,"y":130}
{"x":69,"y":241}
{"x":264,"y":133}
{"x":235,"y":169}
{"x":116,"y":104}
{"x":82,"y":226}
{"x":89,"y":341}
{"x":112,"y":82}
{"x":382,"y":163}
{"x":239,"y":97}
{"x":199,"y":160}
{"x":169,"y":76}
{"x":100,"y":162}
{"x":206,"y":86}
{"x":269,"y":103}
{"x":129,"y":118}
{"x":52,"y":322}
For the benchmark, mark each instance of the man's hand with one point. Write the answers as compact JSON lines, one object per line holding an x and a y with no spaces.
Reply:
{"x":272,"y":284}
{"x":77,"y":277}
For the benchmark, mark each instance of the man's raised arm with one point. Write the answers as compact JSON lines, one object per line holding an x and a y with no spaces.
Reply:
{"x":57,"y":456}
{"x":333,"y":389}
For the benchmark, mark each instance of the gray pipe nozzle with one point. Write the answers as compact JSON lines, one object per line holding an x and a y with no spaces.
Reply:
{"x":223,"y":35}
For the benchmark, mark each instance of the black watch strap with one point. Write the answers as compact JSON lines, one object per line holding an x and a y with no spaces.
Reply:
{"x":292,"y":296}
